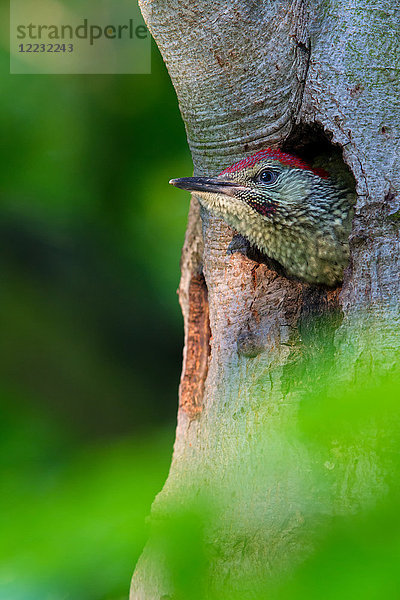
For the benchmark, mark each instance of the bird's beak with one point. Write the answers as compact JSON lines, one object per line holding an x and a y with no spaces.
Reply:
{"x":206,"y":184}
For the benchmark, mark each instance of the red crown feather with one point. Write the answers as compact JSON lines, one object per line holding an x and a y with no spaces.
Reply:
{"x":286,"y":159}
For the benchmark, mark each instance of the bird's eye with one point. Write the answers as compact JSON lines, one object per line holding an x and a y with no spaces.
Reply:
{"x":267,"y":176}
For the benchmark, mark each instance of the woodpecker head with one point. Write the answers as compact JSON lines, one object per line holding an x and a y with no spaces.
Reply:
{"x":284,"y":207}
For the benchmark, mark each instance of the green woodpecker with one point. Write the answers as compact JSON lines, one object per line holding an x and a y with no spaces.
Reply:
{"x":294,"y":214}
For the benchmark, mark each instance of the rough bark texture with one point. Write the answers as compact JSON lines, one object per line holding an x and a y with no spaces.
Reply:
{"x":249,"y":74}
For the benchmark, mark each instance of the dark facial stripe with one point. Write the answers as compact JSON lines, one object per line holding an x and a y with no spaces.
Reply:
{"x":264,"y":208}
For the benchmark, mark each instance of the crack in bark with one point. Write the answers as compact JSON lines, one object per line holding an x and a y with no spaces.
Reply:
{"x":197,"y":349}
{"x":307,"y":49}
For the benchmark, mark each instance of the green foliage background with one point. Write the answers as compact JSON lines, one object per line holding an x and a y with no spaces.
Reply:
{"x":91,"y":330}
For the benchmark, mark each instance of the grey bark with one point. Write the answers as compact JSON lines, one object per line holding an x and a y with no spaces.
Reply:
{"x":246,"y":74}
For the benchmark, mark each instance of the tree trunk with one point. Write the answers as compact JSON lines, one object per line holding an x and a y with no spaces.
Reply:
{"x":310,"y":77}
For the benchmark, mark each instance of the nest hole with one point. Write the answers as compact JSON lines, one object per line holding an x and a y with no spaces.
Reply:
{"x":315,"y":146}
